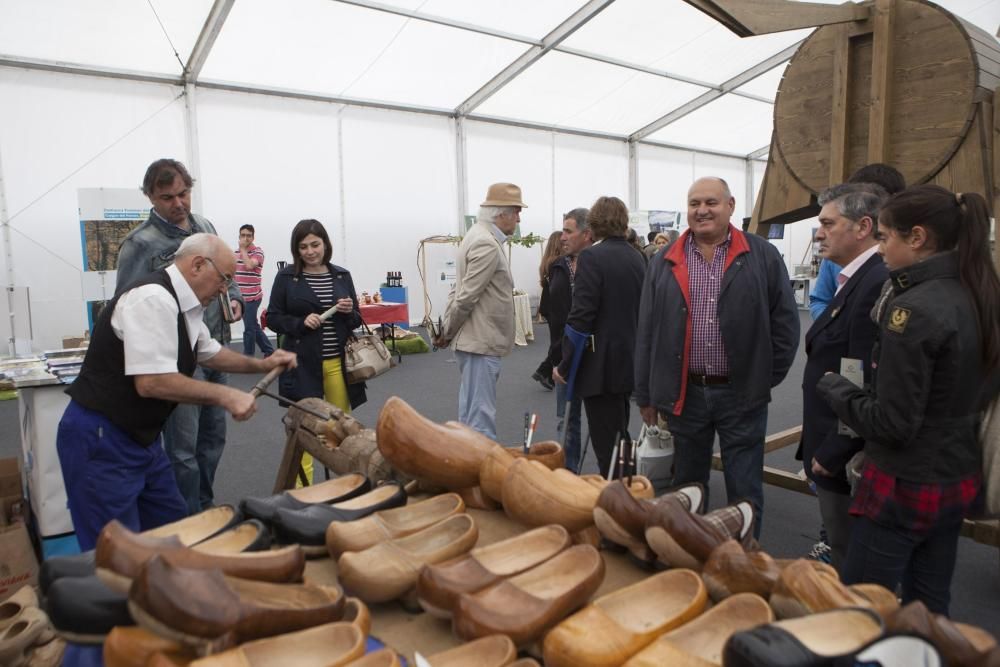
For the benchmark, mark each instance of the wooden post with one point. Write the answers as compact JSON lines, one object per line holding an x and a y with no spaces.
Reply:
{"x":882,"y":47}
{"x":838,"y":117}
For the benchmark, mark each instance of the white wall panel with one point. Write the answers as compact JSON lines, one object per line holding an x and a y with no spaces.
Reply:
{"x":63,"y":133}
{"x":665,"y":174}
{"x":586,"y":169}
{"x":268,"y":162}
{"x":399,"y":187}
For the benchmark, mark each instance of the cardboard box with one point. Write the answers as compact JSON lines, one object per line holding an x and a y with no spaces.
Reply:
{"x":18,"y":564}
{"x":75,"y":341}
{"x":10,"y":478}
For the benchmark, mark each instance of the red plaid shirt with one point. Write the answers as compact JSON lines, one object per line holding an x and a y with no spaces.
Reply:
{"x":708,"y":353}
{"x":913,"y":506}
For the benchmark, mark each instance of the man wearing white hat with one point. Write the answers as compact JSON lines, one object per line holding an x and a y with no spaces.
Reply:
{"x":479,"y":318}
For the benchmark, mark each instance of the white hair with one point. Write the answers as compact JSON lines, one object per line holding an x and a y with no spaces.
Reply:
{"x":202,"y":244}
{"x":491,"y":213}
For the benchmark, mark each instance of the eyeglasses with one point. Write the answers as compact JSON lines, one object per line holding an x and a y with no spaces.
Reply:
{"x":227,"y":280}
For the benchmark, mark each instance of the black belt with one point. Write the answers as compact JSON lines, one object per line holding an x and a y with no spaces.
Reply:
{"x":707,"y":380}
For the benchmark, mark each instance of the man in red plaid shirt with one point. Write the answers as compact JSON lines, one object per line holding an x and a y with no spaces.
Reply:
{"x":718,"y":327}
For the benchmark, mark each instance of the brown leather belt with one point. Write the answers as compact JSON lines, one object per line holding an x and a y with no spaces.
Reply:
{"x":707,"y":380}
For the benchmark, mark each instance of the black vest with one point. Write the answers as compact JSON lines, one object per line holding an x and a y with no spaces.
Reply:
{"x":102,"y":385}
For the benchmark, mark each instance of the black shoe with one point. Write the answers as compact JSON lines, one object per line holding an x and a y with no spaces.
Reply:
{"x":307,"y":526}
{"x":58,"y":567}
{"x":336,"y":490}
{"x":542,"y":380}
{"x":84,"y":609}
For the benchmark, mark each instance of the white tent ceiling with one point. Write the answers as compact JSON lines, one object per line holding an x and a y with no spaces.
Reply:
{"x":652,"y":70}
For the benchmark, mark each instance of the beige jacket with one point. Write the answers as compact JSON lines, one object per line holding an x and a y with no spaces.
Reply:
{"x":480,"y":313}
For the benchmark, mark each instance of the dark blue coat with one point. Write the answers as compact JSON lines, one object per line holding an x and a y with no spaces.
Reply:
{"x":845,"y":329}
{"x":291,"y":301}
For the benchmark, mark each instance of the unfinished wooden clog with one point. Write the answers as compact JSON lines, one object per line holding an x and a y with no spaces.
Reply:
{"x":475,"y":498}
{"x":639,"y":486}
{"x":328,"y":645}
{"x":682,"y":539}
{"x":525,"y":606}
{"x":492,"y":651}
{"x":494,"y":468}
{"x":385,"y":657}
{"x":615,"y":627}
{"x":389,"y":569}
{"x":621,"y":517}
{"x":439,"y":586}
{"x":801,"y":590}
{"x":536,"y":496}
{"x":700,"y":642}
{"x":448,"y":455}
{"x":198,"y":527}
{"x":730,"y":570}
{"x":881,"y":599}
{"x":133,"y":646}
{"x":361,"y":534}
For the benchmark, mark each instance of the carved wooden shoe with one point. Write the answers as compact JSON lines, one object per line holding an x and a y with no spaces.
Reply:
{"x":120,"y":554}
{"x":730,"y":570}
{"x":536,"y":496}
{"x":198,"y":527}
{"x":439,"y":586}
{"x":883,"y":601}
{"x":828,"y":638}
{"x":31,"y":627}
{"x":389,"y":569}
{"x":801,"y":590}
{"x":385,"y":657}
{"x":615,"y":627}
{"x":494,"y":468}
{"x":525,"y":606}
{"x":328,"y":645}
{"x":343,"y":536}
{"x":700,"y":642}
{"x":491,"y":651}
{"x":307,"y":526}
{"x":207,"y":609}
{"x":621,"y":517}
{"x":12,"y":607}
{"x":334,"y":490}
{"x":682,"y":539}
{"x":135,"y":646}
{"x":960,"y":644}
{"x":448,"y":455}
{"x":640,"y":486}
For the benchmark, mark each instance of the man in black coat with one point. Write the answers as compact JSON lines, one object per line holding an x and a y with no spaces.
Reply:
{"x":844,"y":333}
{"x":606,"y":296}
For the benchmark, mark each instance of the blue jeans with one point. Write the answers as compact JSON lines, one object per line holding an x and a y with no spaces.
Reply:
{"x":711,"y":410}
{"x":193,"y":438}
{"x":477,"y":394}
{"x":923,"y":562}
{"x":572,"y":441}
{"x":109,"y":476}
{"x":253,"y":335}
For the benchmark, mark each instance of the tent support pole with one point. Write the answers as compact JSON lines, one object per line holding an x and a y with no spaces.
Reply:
{"x":462,"y":173}
{"x":8,"y":263}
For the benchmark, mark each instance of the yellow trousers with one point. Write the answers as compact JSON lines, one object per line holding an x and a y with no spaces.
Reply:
{"x":335,"y":392}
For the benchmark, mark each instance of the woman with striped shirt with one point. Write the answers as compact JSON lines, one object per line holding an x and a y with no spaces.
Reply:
{"x":301,"y":293}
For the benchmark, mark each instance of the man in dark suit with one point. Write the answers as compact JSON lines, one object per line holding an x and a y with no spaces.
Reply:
{"x":606,"y":295}
{"x":844,"y":333}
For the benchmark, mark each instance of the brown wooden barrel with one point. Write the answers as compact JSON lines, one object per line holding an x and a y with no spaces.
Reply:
{"x":942,"y":67}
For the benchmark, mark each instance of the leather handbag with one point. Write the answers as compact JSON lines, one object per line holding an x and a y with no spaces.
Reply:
{"x":366,"y":356}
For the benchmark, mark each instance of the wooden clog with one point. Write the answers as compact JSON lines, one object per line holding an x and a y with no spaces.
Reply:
{"x":361,"y":534}
{"x":536,"y":496}
{"x":492,"y":651}
{"x":621,"y":517}
{"x":525,"y":606}
{"x":357,"y":613}
{"x":802,"y":589}
{"x":198,"y":527}
{"x":730,"y":570}
{"x":959,"y":644}
{"x":334,"y":490}
{"x":448,"y":455}
{"x":439,"y":586}
{"x":881,"y":599}
{"x":700,"y":642}
{"x":385,"y":657}
{"x":475,"y":498}
{"x":682,"y":539}
{"x":827,"y":638}
{"x":206,"y":609}
{"x":120,"y":554}
{"x":328,"y":645}
{"x":615,"y":627}
{"x":389,"y":569}
{"x":12,"y":607}
{"x":640,"y":487}
{"x":494,"y":468}
{"x":133,"y":646}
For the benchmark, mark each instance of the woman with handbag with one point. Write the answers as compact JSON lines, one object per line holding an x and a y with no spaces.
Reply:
{"x":301,"y":293}
{"x":934,"y":367}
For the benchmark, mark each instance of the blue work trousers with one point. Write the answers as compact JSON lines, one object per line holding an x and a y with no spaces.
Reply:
{"x":713,"y":409}
{"x":193,"y":438}
{"x":477,"y":393}
{"x":108,"y":475}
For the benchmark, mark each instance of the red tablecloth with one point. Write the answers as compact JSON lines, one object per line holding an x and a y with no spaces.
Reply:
{"x":385,"y":313}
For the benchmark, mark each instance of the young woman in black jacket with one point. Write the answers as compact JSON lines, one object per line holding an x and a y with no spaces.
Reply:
{"x":934,"y":368}
{"x":301,"y":293}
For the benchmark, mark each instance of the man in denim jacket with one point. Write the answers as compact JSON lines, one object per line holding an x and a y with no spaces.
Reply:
{"x":195,"y":435}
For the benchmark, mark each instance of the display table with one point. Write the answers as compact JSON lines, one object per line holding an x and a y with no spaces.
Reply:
{"x":523,"y":331}
{"x":406,"y":632}
{"x":39,"y":410}
{"x":384,"y":313}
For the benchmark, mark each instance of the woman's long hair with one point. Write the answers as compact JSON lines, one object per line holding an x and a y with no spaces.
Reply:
{"x":962,"y":223}
{"x":553,"y":251}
